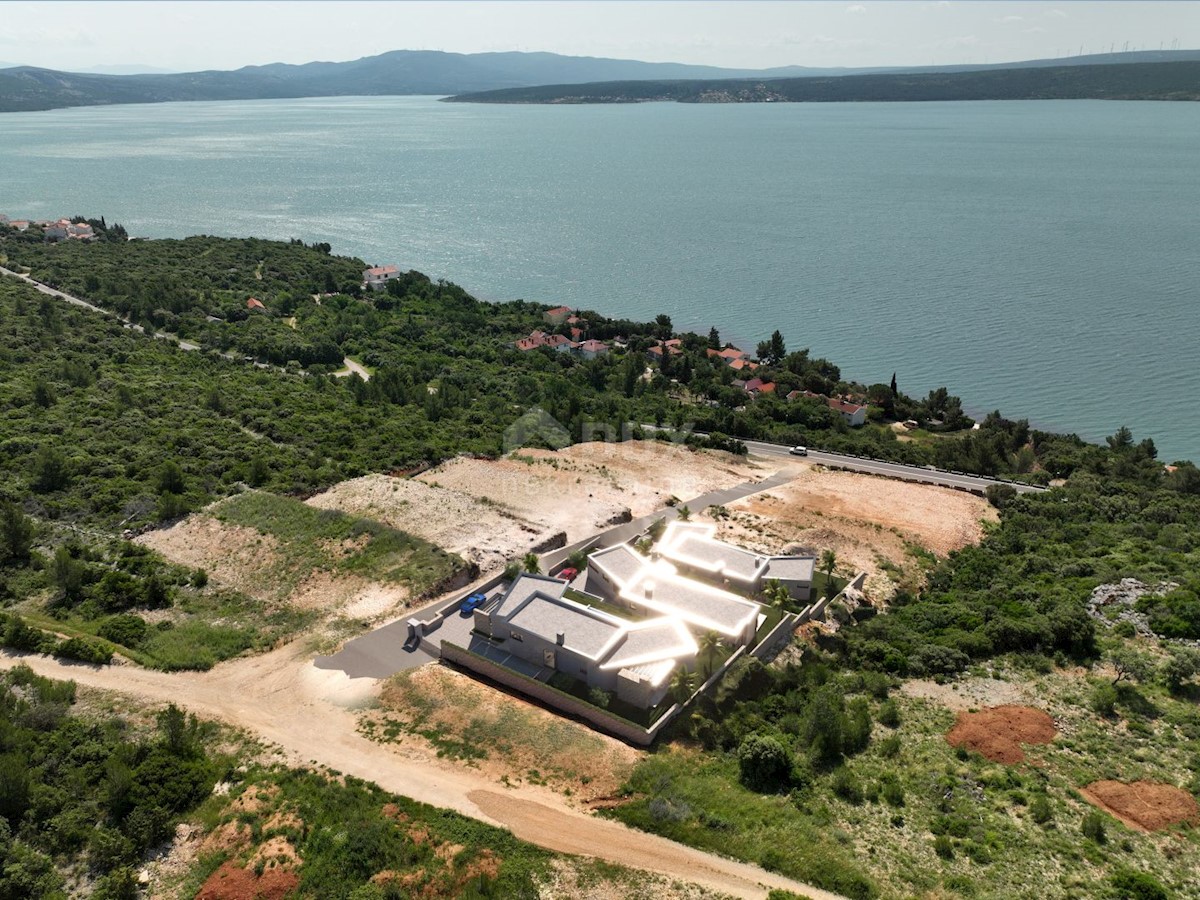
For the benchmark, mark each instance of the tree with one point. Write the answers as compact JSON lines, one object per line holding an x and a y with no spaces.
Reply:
{"x":714,"y":338}
{"x":828,"y":564}
{"x":1180,"y":668}
{"x":684,"y":513}
{"x":1129,"y":664}
{"x":16,"y":533}
{"x":170,"y":478}
{"x":895,"y":392}
{"x":50,"y":471}
{"x":531,"y":563}
{"x":710,"y":646}
{"x":764,"y":763}
{"x":259,"y":472}
{"x":1121,"y":441}
{"x":67,"y":573}
{"x":778,"y":348}
{"x":663,"y":327}
{"x":777,"y":593}
{"x":683,"y":683}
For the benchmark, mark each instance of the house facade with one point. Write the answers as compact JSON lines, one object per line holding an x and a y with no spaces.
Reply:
{"x":538,"y":623}
{"x":378,"y":276}
{"x":694,"y":549}
{"x":557,"y":316}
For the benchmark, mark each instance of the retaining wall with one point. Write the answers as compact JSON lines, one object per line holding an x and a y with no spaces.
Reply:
{"x":556,"y":699}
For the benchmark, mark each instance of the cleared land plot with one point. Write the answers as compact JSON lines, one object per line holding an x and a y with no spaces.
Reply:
{"x":583,"y":487}
{"x":1143,"y":805}
{"x":873,"y":524}
{"x":282,"y":551}
{"x":999,"y":733}
{"x":502,"y":735}
{"x":479,"y":531}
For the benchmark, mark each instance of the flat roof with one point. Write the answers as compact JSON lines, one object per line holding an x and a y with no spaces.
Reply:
{"x":661,"y":589}
{"x":651,"y":641}
{"x":791,"y":568}
{"x":621,"y":563}
{"x":524,"y":587}
{"x":586,"y":631}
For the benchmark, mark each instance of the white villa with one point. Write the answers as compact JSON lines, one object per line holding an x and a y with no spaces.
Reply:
{"x":378,"y":276}
{"x":693,"y":547}
{"x":541,"y":625}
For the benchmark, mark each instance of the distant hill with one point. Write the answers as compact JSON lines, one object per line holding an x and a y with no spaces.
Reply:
{"x":25,"y":88}
{"x":1136,"y":81}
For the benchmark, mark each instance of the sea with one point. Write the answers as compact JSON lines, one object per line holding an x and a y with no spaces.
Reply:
{"x":1037,"y":257}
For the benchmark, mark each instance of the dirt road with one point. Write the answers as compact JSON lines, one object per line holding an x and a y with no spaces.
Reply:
{"x":283,"y":699}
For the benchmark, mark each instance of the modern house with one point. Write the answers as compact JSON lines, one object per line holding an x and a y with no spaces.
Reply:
{"x":65,"y":229}
{"x":624,"y":577}
{"x":378,"y":277}
{"x":558,"y":315}
{"x":538,"y":623}
{"x":694,"y":549}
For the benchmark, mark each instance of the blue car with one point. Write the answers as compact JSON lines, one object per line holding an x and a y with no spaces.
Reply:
{"x":473,"y":603}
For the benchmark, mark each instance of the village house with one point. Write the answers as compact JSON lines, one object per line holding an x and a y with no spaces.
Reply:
{"x":378,"y":276}
{"x":65,"y":229}
{"x":255,"y":303}
{"x":590,"y":349}
{"x":853,"y":414}
{"x":674,"y":347}
{"x":757,"y":386}
{"x":558,"y":315}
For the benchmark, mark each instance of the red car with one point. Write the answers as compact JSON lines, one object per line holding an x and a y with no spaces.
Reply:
{"x":568,"y":574}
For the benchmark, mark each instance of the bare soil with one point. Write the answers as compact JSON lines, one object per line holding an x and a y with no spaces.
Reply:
{"x":518,"y":737}
{"x":865,"y":520}
{"x":967,"y":693}
{"x":583,"y":487}
{"x":480,"y":532}
{"x":1143,"y":805}
{"x":233,"y":882}
{"x":998,"y":733}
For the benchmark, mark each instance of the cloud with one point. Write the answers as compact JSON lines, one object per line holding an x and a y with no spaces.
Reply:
{"x":1036,"y":29}
{"x":1011,"y":19}
{"x":1055,"y":14}
{"x":856,"y":10}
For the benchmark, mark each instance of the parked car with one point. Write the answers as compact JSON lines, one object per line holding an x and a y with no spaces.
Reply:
{"x":473,"y":603}
{"x":568,"y":574}
{"x":799,"y":451}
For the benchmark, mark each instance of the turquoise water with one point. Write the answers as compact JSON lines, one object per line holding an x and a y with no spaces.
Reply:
{"x":1038,"y":257}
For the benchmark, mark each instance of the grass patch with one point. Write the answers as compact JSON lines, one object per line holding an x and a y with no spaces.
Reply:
{"x":312,"y":538}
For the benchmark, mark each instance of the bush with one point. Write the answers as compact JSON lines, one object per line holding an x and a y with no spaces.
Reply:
{"x":85,"y":651}
{"x":846,"y":786}
{"x":1131,"y":885}
{"x":889,"y":747}
{"x":126,"y":630}
{"x":889,"y":714}
{"x":1093,"y":827}
{"x":943,"y":847}
{"x":893,"y":793}
{"x":765,"y":765}
{"x":1040,"y":810}
{"x":1104,"y":699}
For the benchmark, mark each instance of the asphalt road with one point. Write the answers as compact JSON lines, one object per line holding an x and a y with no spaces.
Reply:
{"x":974,"y":483}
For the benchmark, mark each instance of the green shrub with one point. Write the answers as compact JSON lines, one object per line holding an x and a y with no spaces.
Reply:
{"x":889,"y":714}
{"x":764,"y":764}
{"x":1104,"y":699}
{"x":943,"y":847}
{"x":1040,"y":810}
{"x":845,"y":785}
{"x":1131,"y":885}
{"x":85,"y":651}
{"x":1093,"y":827}
{"x":126,"y":630}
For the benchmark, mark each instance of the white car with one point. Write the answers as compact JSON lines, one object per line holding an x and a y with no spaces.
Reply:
{"x":799,"y":451}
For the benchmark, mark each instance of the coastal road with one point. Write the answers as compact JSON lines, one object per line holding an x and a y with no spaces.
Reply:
{"x":976,"y":484}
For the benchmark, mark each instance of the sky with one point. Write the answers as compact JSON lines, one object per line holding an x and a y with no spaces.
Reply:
{"x":213,"y":34}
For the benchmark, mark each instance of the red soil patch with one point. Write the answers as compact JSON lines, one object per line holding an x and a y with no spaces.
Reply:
{"x":1143,"y":805}
{"x":998,"y":733}
{"x":232,"y":882}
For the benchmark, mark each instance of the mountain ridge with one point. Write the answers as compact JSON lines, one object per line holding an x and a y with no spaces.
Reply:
{"x":408,"y":72}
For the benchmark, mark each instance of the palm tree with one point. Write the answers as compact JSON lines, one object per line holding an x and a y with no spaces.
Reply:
{"x":777,"y":594}
{"x":828,"y":564}
{"x":532,"y":563}
{"x":684,"y":513}
{"x":682,"y":684}
{"x":710,"y":646}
